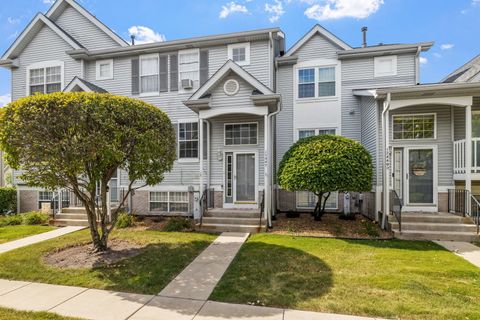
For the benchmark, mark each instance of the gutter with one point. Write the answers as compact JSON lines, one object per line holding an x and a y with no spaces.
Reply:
{"x":417,"y":65}
{"x":269,"y":160}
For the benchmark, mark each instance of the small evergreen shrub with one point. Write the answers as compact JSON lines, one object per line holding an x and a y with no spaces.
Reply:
{"x":125,"y":220}
{"x":34,"y":217}
{"x":178,"y":224}
{"x":8,"y":200}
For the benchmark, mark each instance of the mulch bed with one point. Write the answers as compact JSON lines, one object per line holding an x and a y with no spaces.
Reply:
{"x":329,"y":227}
{"x":81,"y":256}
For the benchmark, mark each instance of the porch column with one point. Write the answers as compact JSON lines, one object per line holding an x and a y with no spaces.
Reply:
{"x":386,"y":165}
{"x":200,"y":155}
{"x":468,"y":151}
{"x":266,"y":175}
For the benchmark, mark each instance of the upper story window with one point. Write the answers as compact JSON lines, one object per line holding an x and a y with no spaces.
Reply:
{"x":188,"y":140}
{"x":385,"y":66}
{"x":189,"y":68}
{"x":104,"y":69}
{"x":241,"y":134}
{"x":239,"y":53}
{"x":316,"y":82}
{"x":305,"y":133}
{"x":149,"y":74}
{"x":45,"y":77}
{"x":418,"y":126}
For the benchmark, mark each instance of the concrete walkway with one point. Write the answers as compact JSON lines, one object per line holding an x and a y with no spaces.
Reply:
{"x":12,"y":245}
{"x":105,"y":305}
{"x":200,"y":277}
{"x":466,"y":250}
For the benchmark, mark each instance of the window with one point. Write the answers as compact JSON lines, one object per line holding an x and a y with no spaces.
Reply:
{"x":188,"y":140}
{"x":385,"y":66}
{"x":149,"y":74}
{"x":104,"y":69}
{"x":240,"y":134}
{"x":189,"y":66}
{"x":306,"y":83}
{"x":305,"y":133}
{"x":46,"y":78}
{"x":169,"y":201}
{"x":326,"y":82}
{"x":239,"y":53}
{"x":419,"y":126}
{"x":44,"y":197}
{"x":316,"y":82}
{"x":308,"y":200}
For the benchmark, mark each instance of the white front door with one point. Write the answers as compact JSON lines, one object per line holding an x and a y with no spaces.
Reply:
{"x":241,"y":180}
{"x":420,"y":176}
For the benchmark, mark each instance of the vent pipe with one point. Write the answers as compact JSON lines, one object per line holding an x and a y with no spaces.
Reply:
{"x":364,"y":31}
{"x":133,"y":39}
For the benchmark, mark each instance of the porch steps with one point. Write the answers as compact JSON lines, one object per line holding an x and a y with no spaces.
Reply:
{"x":232,"y":220}
{"x":437,"y":226}
{"x":73,"y":216}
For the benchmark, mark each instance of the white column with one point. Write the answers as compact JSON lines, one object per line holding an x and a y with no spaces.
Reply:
{"x":468,"y":151}
{"x":200,"y":155}
{"x":386,"y":167}
{"x":266,"y":175}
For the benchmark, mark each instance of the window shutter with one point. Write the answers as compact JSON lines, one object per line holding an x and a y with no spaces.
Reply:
{"x":135,"y":76}
{"x":163,"y":72}
{"x":203,"y":66}
{"x":173,"y":72}
{"x":175,"y":128}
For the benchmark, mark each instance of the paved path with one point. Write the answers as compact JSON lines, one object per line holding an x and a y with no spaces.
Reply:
{"x":466,"y":250}
{"x":105,"y":305}
{"x":12,"y":245}
{"x":201,"y":276}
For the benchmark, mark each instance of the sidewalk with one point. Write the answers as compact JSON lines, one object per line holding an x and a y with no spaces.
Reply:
{"x":105,"y":305}
{"x":466,"y":250}
{"x":12,"y":245}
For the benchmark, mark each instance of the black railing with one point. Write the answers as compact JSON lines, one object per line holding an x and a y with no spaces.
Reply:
{"x":262,"y":209}
{"x":461,"y":201}
{"x":396,"y":207}
{"x":475,"y":212}
{"x":203,"y":204}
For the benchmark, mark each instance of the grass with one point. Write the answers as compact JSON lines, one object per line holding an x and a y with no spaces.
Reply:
{"x":10,"y":233}
{"x":9,"y":314}
{"x":404,"y":279}
{"x":165,"y":255}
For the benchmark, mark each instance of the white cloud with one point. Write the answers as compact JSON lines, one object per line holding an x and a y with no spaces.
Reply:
{"x":230,"y":8}
{"x":475,"y":2}
{"x":423,"y":60}
{"x":337,"y":9}
{"x":437,"y":55}
{"x":145,"y":35}
{"x":11,"y":20}
{"x":48,"y":1}
{"x":275,"y":10}
{"x":447,"y":46}
{"x":5,"y":99}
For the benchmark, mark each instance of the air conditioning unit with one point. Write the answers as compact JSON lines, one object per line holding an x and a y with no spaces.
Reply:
{"x":187,"y":84}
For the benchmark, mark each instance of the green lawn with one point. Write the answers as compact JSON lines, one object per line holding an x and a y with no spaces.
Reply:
{"x":9,"y":314}
{"x":166,"y":255}
{"x":10,"y":233}
{"x":404,"y":279}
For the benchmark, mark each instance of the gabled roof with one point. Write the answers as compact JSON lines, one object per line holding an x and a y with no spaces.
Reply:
{"x":322,"y":31}
{"x":84,"y":85}
{"x":32,"y":29}
{"x":59,"y":6}
{"x":221,"y":73}
{"x":384,"y":49}
{"x":472,"y":66}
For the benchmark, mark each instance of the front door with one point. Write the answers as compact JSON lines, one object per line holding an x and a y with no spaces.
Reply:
{"x":240,"y":185}
{"x":420,"y":176}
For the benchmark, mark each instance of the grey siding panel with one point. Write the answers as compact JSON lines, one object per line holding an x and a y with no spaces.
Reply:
{"x":368,"y":108}
{"x":241,"y":100}
{"x":84,"y":31}
{"x":317,"y":47}
{"x":284,"y":120}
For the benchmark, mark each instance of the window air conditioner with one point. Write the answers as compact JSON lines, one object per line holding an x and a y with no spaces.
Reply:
{"x":187,"y":83}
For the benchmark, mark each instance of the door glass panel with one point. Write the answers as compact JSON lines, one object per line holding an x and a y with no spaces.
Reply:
{"x":398,"y":173}
{"x":113,"y":187}
{"x":245,"y":170}
{"x":420,"y":183}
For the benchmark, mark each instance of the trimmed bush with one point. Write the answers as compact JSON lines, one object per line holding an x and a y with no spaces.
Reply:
{"x":125,"y":220}
{"x":8,"y":200}
{"x":34,"y":217}
{"x":11,"y":220}
{"x":178,"y":224}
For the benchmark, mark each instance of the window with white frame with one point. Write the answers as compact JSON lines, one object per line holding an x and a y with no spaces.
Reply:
{"x":165,"y":201}
{"x":188,"y":140}
{"x":326,"y":82}
{"x":417,"y":126}
{"x":149,"y":74}
{"x":189,"y":66}
{"x":45,"y":79}
{"x":305,"y":133}
{"x":241,"y":134}
{"x":385,"y":66}
{"x":104,"y":69}
{"x":239,"y":53}
{"x":44,"y":197}
{"x":317,"y":82}
{"x":306,"y":83}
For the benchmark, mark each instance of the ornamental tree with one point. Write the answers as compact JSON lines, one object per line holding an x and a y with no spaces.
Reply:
{"x":78,"y":141}
{"x":323,"y":164}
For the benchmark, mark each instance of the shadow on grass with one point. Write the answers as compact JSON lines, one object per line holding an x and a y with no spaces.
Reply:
{"x":261,"y":270}
{"x":410,"y":245}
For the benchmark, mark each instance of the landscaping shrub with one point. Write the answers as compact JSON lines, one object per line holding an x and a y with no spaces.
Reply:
{"x":178,"y":224}
{"x":8,"y":200}
{"x":125,"y":220}
{"x":11,"y":220}
{"x":34,"y":217}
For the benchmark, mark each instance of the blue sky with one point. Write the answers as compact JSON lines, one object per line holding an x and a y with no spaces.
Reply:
{"x":452,"y":24}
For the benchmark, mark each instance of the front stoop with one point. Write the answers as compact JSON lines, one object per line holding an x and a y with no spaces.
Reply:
{"x":434,"y":226}
{"x":232,"y":220}
{"x":73,"y":216}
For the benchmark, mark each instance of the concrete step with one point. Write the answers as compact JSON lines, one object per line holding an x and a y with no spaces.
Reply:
{"x":416,"y":226}
{"x":435,"y":235}
{"x":219,"y":227}
{"x":431,"y":218}
{"x":232,"y":220}
{"x":232,"y":213}
{"x":69,"y":222}
{"x":74,"y":210}
{"x":73,"y":216}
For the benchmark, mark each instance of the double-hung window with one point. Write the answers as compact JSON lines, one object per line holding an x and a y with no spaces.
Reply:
{"x":239,"y":53}
{"x":306,"y":83}
{"x":316,"y":82}
{"x":241,"y":134}
{"x":305,"y":133}
{"x":189,"y":66}
{"x":104,"y":69}
{"x":45,"y":79}
{"x":44,"y":197}
{"x":188,"y":140}
{"x":416,"y":126}
{"x":326,"y":82}
{"x":165,"y":201}
{"x":149,"y":74}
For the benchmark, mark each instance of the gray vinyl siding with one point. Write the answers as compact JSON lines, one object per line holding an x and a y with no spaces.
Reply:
{"x":83,"y":30}
{"x":368,"y":107}
{"x":317,"y":47}
{"x":45,"y":46}
{"x":284,"y":120}
{"x":459,"y":119}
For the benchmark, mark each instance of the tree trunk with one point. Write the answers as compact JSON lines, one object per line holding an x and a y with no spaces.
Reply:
{"x":320,"y":206}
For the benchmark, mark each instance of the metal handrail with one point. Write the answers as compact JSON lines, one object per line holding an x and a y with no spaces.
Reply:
{"x":262,"y":209}
{"x":396,"y":208}
{"x":475,"y":211}
{"x":203,"y":205}
{"x":458,"y":203}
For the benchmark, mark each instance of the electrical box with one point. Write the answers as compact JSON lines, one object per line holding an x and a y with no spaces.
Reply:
{"x":196,"y":205}
{"x":346,"y":203}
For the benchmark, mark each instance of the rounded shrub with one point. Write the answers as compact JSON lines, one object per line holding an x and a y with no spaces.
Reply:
{"x":125,"y":220}
{"x":178,"y":224}
{"x":34,"y":217}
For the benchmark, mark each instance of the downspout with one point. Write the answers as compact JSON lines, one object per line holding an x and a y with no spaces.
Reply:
{"x":417,"y":65}
{"x":208,"y":153}
{"x":385,"y":173}
{"x":269,"y":160}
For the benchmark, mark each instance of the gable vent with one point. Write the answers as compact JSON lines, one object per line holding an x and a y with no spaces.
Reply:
{"x":231,"y":87}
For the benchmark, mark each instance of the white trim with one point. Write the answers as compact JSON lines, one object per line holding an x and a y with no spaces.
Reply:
{"x":322,"y":31}
{"x":90,"y":17}
{"x":434,"y":114}
{"x":316,"y":129}
{"x":188,"y":160}
{"x":97,"y":69}
{"x":169,"y":202}
{"x":238,"y":123}
{"x":44,"y":65}
{"x":234,"y":92}
{"x":380,"y":73}
{"x":140,"y":58}
{"x":245,"y":45}
{"x":179,"y":53}
{"x":210,"y":113}
{"x":76,"y":82}
{"x":462,"y":101}
{"x":317,"y":64}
